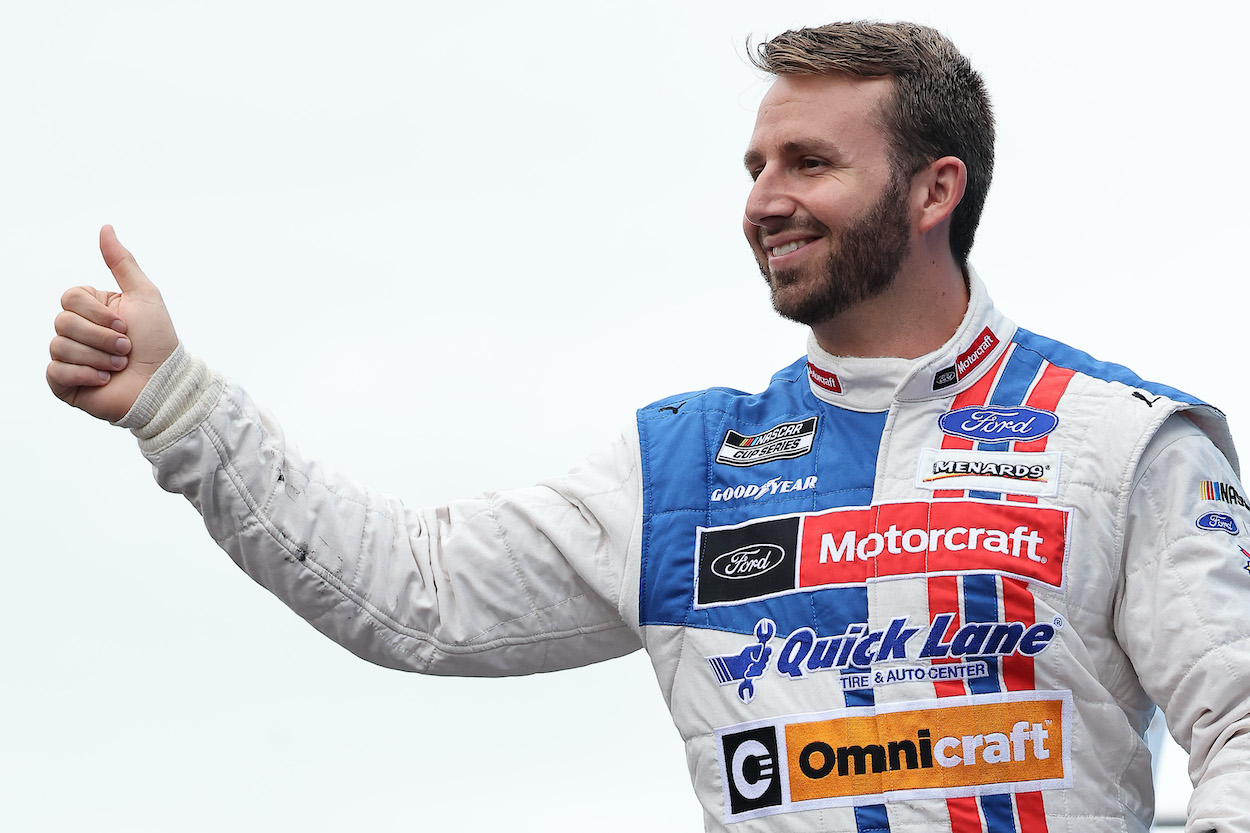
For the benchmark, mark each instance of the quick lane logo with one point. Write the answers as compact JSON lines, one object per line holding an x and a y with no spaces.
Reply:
{"x":1214,"y":490}
{"x":858,"y":649}
{"x":1014,"y":742}
{"x":998,"y":471}
{"x":967,"y":361}
{"x":842,"y":547}
{"x":781,"y":442}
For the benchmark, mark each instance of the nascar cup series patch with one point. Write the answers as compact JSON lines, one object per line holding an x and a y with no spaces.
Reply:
{"x":781,"y":442}
{"x":960,"y":746}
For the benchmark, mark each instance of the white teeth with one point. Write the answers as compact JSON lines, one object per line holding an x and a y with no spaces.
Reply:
{"x":786,"y":249}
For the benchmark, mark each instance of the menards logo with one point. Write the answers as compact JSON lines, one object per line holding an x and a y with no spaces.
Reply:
{"x":842,"y":547}
{"x":1011,"y":742}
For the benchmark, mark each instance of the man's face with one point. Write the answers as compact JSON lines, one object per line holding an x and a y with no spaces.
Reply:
{"x":828,"y":216}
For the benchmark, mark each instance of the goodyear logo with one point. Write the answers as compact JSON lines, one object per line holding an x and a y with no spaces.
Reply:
{"x":1012,"y":742}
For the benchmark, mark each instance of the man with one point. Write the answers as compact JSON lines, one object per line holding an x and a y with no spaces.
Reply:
{"x":933,"y":578}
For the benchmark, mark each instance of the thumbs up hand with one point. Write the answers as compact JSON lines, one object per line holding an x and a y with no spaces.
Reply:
{"x":108,"y":344}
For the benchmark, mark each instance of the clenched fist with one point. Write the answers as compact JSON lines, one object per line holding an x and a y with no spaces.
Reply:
{"x":108,"y":344}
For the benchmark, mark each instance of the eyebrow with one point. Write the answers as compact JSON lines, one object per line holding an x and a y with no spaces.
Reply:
{"x":798,"y":147}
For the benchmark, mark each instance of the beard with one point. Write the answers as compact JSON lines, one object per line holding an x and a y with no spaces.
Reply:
{"x":864,"y":262}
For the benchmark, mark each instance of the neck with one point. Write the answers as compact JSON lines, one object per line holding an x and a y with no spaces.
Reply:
{"x":917,"y":314}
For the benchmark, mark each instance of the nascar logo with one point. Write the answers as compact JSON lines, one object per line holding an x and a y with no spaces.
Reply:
{"x":781,"y":442}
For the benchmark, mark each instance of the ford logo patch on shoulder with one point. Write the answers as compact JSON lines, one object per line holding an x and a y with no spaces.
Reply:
{"x":1217,"y":521}
{"x":994,"y":424}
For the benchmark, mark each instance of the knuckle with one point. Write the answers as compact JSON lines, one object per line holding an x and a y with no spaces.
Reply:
{"x":63,"y":322}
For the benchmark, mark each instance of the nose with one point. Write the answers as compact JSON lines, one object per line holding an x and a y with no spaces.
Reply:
{"x":768,"y":201}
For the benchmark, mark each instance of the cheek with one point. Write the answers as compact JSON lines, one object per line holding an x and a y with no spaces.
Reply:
{"x":751,"y":232}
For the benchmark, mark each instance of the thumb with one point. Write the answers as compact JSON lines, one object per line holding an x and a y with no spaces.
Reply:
{"x":121,"y":263}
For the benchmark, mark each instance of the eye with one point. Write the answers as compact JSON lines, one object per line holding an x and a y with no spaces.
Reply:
{"x":754,"y":173}
{"x":812,"y":163}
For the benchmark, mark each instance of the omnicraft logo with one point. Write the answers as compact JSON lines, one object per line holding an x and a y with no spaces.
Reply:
{"x":1020,"y":473}
{"x":781,"y":442}
{"x":1013,"y":742}
{"x":842,"y":547}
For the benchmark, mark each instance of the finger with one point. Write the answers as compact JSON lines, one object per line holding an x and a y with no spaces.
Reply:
{"x":92,"y":304}
{"x":122,"y":263}
{"x":68,"y":351}
{"x":65,"y":379}
{"x":76,"y":328}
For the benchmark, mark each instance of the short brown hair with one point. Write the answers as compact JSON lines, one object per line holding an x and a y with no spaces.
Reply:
{"x":940,"y":106}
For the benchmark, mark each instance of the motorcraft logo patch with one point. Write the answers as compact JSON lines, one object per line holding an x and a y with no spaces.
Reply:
{"x":824,"y":379}
{"x":781,"y":442}
{"x":847,"y":547}
{"x":1226,"y":492}
{"x":1018,"y":741}
{"x":996,"y":471}
{"x":908,"y":651}
{"x":967,"y":361}
{"x":986,"y":423}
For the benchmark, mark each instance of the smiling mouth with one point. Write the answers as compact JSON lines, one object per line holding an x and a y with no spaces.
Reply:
{"x":778,"y":251}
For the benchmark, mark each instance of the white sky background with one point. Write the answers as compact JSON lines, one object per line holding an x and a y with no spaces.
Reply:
{"x":452,"y":248}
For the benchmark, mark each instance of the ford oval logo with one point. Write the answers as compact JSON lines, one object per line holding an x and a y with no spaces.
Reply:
{"x":994,"y":424}
{"x":1217,"y":521}
{"x":749,"y":561}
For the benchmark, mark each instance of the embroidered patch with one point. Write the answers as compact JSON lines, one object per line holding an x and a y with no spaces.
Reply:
{"x":1010,"y":742}
{"x":781,"y":442}
{"x":996,"y":471}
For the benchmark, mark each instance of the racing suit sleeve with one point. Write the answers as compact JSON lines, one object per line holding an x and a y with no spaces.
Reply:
{"x":510,"y":583}
{"x":1183,"y":615}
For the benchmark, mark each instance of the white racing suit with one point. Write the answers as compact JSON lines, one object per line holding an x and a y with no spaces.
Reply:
{"x":938,"y":594}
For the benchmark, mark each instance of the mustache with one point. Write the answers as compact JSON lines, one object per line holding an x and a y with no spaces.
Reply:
{"x":802,"y":225}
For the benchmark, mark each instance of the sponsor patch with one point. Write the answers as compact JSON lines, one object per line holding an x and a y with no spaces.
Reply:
{"x":1247,"y":555}
{"x":823,"y":379}
{"x":841,"y":547}
{"x":985,"y":423}
{"x":1217,"y":521}
{"x":967,"y":361}
{"x":1226,"y":492}
{"x":755,"y":491}
{"x":1009,"y":742}
{"x":781,"y":442}
{"x":906,"y":647}
{"x":996,"y":471}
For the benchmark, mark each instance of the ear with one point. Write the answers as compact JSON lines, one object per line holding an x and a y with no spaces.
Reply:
{"x":937,"y":189}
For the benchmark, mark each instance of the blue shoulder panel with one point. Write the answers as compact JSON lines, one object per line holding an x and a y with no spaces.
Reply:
{"x":1064,"y":356}
{"x":713,"y":459}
